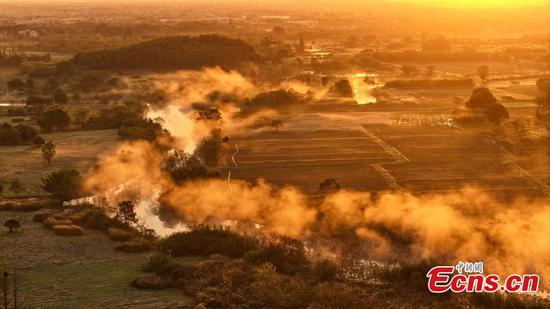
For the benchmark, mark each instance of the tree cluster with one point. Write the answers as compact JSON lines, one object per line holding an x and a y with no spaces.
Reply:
{"x":281,"y":100}
{"x":483,"y":100}
{"x":17,"y":135}
{"x":172,"y":53}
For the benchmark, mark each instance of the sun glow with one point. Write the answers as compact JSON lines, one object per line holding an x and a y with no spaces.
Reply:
{"x":481,"y":3}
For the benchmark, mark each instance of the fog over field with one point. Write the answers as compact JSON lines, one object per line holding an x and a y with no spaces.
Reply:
{"x":275,"y":154}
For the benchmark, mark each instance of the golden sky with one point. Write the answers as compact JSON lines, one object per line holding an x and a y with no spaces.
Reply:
{"x":480,"y":3}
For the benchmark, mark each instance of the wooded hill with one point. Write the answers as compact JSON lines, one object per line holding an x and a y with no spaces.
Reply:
{"x":172,"y":53}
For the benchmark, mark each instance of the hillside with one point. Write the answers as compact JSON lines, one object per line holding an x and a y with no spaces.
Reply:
{"x":171,"y":53}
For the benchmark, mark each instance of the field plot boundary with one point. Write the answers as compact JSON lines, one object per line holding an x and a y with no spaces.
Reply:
{"x":388,"y":178}
{"x":534,"y":181}
{"x":399,"y":157}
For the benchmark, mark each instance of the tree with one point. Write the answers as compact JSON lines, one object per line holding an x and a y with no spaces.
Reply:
{"x":64,"y":184}
{"x":409,"y":70}
{"x":277,"y":123}
{"x":342,"y":88}
{"x":38,"y":100}
{"x":183,"y":167}
{"x":12,"y":224}
{"x":126,"y":213}
{"x":210,"y":150}
{"x":496,"y":113}
{"x":76,"y":97}
{"x":30,"y":85}
{"x":48,"y":151}
{"x":481,"y":98}
{"x":90,"y":82}
{"x":281,"y":100}
{"x":81,"y":116}
{"x":54,"y":118}
{"x":483,"y":72}
{"x":430,"y":71}
{"x":301,"y":45}
{"x":60,"y":97}
{"x":18,"y":135}
{"x":329,"y":185}
{"x":51,"y":85}
{"x":16,"y":186}
{"x":39,"y":141}
{"x":436,"y":44}
{"x":16,"y":84}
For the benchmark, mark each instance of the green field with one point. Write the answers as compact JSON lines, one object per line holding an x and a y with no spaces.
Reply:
{"x":75,"y":149}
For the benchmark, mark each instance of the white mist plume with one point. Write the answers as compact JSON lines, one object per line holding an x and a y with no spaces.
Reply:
{"x":446,"y":227}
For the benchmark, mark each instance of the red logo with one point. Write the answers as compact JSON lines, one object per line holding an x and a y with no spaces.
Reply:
{"x":469,"y":278}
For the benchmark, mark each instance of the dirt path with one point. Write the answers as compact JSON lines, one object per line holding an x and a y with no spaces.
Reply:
{"x":76,"y":272}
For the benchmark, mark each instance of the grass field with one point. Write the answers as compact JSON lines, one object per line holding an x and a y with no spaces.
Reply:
{"x":76,"y":272}
{"x":75,"y":149}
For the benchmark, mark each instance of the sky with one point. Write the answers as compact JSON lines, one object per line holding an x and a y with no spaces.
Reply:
{"x":445,"y":3}
{"x":479,"y":3}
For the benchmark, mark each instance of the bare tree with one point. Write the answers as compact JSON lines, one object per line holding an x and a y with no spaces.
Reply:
{"x":48,"y":151}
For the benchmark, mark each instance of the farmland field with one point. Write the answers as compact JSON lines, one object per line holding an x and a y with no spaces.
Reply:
{"x":417,"y":152}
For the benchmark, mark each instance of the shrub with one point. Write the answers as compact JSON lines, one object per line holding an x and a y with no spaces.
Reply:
{"x":507,"y":300}
{"x":325,"y":270}
{"x":287,"y":255}
{"x":162,"y":265}
{"x":151,"y":282}
{"x":7,"y":206}
{"x":21,"y":206}
{"x":50,"y":222}
{"x":135,"y":245}
{"x":77,"y":216}
{"x":24,"y":206}
{"x":183,"y":271}
{"x":97,"y":219}
{"x":68,"y":230}
{"x":117,"y":234}
{"x":41,"y":216}
{"x":206,"y":241}
{"x":60,"y":97}
{"x":408,"y":273}
{"x":338,"y":295}
{"x":156,"y":262}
